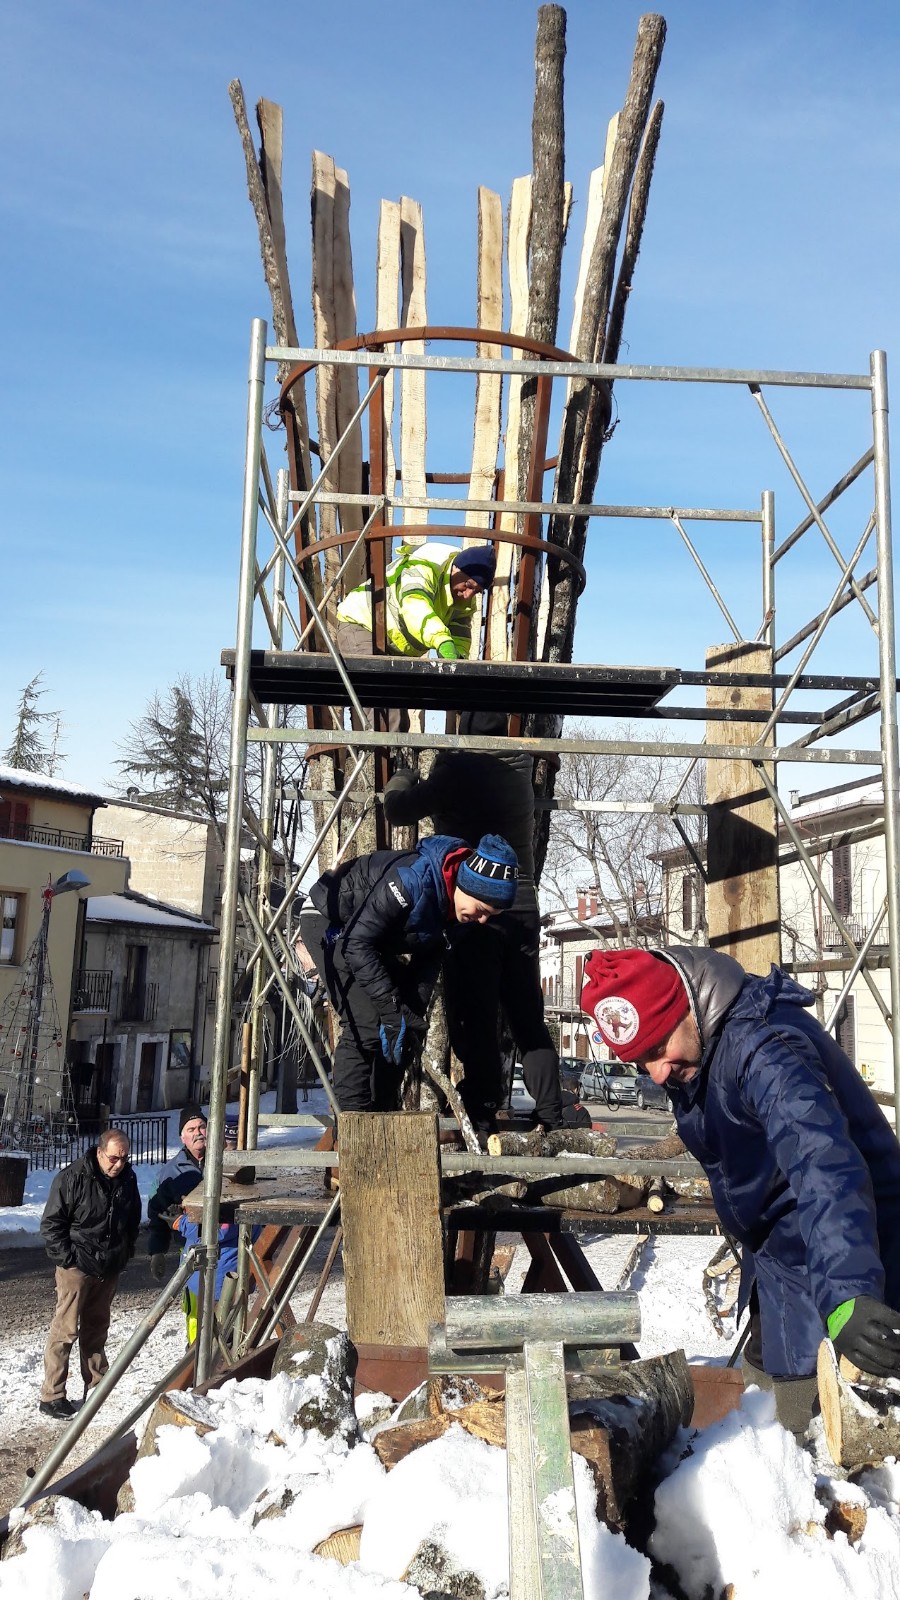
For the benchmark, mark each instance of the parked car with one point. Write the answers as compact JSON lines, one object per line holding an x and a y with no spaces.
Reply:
{"x":650,"y":1096}
{"x":614,"y":1082}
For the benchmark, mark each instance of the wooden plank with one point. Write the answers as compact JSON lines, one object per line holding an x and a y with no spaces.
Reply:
{"x":555,"y":1516}
{"x":391,"y":1214}
{"x":387,"y":295}
{"x":413,"y":425}
{"x":488,"y":385}
{"x":518,"y":240}
{"x":334,"y":319}
{"x":487,"y":1321}
{"x":524,"y":1561}
{"x":742,"y":895}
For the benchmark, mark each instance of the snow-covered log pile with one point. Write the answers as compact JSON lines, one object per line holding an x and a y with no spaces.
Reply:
{"x":275,"y":1487}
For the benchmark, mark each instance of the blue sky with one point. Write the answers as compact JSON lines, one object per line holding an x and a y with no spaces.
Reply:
{"x":130,"y":271}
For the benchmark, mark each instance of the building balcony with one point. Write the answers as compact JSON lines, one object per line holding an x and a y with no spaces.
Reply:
{"x":92,"y":992}
{"x":859,"y":929}
{"x":61,"y":839}
{"x":139,"y":1005}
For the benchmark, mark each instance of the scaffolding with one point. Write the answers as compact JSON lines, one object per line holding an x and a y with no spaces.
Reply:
{"x":298,"y":663}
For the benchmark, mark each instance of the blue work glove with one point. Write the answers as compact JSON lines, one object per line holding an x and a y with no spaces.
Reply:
{"x":448,"y":651}
{"x":392,"y":1033}
{"x":395,"y":1029}
{"x":867,"y":1332}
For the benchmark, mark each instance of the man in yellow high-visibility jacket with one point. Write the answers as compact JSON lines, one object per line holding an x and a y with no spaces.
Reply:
{"x":431,"y":597}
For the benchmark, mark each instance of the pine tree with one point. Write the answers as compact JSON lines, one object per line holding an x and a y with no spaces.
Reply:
{"x":177,"y":752}
{"x":28,"y":750}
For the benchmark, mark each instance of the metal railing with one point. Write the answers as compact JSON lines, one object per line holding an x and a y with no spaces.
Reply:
{"x":139,"y":1005}
{"x":58,"y":1144}
{"x":93,"y":990}
{"x":62,"y":839}
{"x":859,"y":928}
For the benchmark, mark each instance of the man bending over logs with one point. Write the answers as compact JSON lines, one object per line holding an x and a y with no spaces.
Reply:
{"x":803,"y":1166}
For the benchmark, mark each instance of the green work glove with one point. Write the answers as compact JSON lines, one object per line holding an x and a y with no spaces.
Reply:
{"x":867,"y":1332}
{"x":448,"y":651}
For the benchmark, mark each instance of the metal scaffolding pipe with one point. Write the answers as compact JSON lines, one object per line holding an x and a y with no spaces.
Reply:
{"x":237,"y":764}
{"x":887,"y":659}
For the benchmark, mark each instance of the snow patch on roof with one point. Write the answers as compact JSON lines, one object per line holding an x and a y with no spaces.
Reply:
{"x":38,"y":782}
{"x":139,"y":908}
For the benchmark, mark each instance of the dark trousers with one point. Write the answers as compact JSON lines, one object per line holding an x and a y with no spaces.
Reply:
{"x":489,"y":968}
{"x":363,"y":1079}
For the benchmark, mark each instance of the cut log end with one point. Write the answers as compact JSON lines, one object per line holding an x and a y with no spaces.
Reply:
{"x":861,"y":1417}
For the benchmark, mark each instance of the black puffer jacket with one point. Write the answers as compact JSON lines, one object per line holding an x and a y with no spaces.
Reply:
{"x":91,"y":1221}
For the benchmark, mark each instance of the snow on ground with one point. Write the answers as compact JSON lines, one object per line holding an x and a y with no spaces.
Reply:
{"x":739,"y":1507}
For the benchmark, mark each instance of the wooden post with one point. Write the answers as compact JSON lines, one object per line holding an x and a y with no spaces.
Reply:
{"x":391,"y":1215}
{"x":743,"y":911}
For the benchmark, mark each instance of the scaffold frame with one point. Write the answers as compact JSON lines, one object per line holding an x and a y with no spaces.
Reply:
{"x":264,"y":611}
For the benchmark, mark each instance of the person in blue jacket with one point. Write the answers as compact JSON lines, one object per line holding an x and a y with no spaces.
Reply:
{"x":803,"y":1165}
{"x":376,"y":928}
{"x":166,"y":1214}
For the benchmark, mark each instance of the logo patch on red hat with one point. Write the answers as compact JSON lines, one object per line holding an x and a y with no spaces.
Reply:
{"x":618,"y":1019}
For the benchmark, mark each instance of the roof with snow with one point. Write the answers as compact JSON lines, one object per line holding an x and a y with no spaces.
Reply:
{"x":140,"y":909}
{"x":40,"y":783}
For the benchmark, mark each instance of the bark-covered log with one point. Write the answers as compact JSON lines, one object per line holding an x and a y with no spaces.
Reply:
{"x":622,"y":1419}
{"x":604,"y":1195}
{"x":637,"y":212}
{"x":323,"y":1360}
{"x":515,"y":1144}
{"x":584,"y":421}
{"x":579,"y":1141}
{"x":437,"y":1574}
{"x":861,"y":1415}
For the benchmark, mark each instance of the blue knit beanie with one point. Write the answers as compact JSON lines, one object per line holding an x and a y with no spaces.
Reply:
{"x":478,"y":562}
{"x":490,"y":872}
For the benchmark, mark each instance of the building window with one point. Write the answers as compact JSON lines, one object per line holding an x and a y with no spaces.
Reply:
{"x":13,"y":819}
{"x":842,"y":882}
{"x":12,"y":907}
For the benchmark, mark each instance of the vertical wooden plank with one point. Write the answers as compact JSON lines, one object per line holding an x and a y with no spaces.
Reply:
{"x":517,"y":261}
{"x":349,"y":471}
{"x":556,"y":1521}
{"x":489,"y":385}
{"x":413,"y":314}
{"x":324,"y":335}
{"x":391,"y":1215}
{"x":743,"y":909}
{"x":387,"y":296}
{"x":334,"y":319}
{"x":524,"y":1563}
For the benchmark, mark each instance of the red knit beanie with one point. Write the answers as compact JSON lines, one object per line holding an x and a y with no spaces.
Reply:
{"x":635,"y":998}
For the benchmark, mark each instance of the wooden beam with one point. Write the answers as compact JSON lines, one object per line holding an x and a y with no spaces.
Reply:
{"x":387,"y":315}
{"x":517,"y":246}
{"x":413,"y":423}
{"x":391,"y":1215}
{"x":743,"y":910}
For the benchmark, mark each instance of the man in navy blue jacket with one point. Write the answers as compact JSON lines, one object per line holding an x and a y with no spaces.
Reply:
{"x":375,"y":927}
{"x":803,"y":1165}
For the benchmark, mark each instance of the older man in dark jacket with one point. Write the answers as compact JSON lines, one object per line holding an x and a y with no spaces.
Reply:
{"x":803,"y":1165}
{"x":89,"y":1226}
